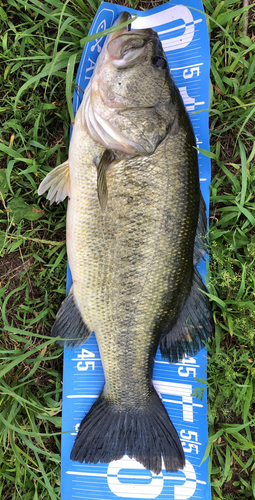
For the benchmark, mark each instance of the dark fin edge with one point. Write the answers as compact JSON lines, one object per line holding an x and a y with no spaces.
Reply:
{"x":193,"y":327}
{"x":69,"y":324}
{"x":107,"y":433}
{"x":200,"y":245}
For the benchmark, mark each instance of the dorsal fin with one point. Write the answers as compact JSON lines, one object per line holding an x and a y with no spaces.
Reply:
{"x":58,"y":183}
{"x":200,"y":245}
{"x":193,"y":327}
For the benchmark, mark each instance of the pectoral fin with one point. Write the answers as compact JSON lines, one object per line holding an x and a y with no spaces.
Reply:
{"x":102,"y":166}
{"x":58,"y":183}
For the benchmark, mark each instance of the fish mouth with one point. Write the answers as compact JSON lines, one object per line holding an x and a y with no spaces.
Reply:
{"x":125,"y":46}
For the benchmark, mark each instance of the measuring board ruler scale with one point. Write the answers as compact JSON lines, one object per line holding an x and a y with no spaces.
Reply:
{"x":183,"y":33}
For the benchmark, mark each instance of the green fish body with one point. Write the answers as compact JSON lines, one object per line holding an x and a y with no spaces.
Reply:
{"x":135,"y":225}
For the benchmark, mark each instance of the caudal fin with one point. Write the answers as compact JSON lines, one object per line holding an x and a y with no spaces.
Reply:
{"x":148,"y":435}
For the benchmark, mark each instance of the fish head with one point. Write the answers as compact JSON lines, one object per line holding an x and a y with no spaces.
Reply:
{"x":129,"y":104}
{"x":133,"y":68}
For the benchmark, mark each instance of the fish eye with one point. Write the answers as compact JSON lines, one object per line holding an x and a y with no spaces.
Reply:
{"x":159,"y":62}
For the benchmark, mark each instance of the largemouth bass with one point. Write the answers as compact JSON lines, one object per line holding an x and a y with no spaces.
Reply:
{"x":135,"y":230}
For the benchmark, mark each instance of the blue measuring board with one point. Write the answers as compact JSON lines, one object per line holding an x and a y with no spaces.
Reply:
{"x":183,"y":32}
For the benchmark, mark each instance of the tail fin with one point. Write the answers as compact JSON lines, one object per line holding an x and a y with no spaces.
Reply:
{"x":107,"y":433}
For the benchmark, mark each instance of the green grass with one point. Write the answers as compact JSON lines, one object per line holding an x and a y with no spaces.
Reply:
{"x":41,"y":49}
{"x":231,"y":364}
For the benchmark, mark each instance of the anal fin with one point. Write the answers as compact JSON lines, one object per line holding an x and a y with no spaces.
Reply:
{"x":69,"y":324}
{"x":58,"y":183}
{"x":193,"y":327}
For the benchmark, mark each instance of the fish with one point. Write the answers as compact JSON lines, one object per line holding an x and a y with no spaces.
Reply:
{"x":136,"y":226}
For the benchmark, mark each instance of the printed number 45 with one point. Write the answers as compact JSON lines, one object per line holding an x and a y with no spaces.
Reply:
{"x":86,"y":361}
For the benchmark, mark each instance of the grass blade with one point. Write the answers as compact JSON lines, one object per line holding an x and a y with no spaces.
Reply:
{"x":69,"y":85}
{"x":244,"y":172}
